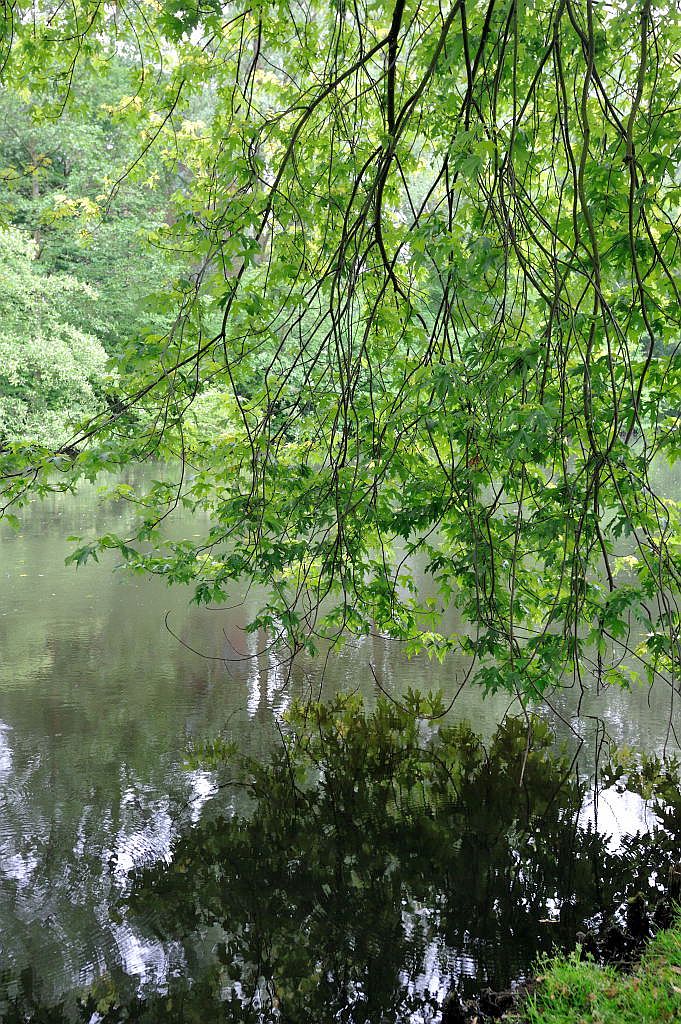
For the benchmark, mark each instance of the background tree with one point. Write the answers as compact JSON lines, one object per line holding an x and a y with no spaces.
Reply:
{"x":51,"y":373}
{"x":56,"y":180}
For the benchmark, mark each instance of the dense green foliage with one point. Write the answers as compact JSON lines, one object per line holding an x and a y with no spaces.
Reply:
{"x":574,"y":990}
{"x":433,"y":299}
{"x":59,"y":181}
{"x":77,"y":266}
{"x":52,"y":374}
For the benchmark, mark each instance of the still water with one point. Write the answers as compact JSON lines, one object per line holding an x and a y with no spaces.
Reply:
{"x":105,"y":678}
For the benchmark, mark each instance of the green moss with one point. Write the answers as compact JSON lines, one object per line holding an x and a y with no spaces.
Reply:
{"x":572,"y":991}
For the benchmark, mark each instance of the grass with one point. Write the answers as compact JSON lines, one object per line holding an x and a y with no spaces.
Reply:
{"x":574,"y":991}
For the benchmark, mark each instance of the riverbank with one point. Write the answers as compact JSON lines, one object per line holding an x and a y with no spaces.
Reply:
{"x":571,"y":990}
{"x":589,"y":988}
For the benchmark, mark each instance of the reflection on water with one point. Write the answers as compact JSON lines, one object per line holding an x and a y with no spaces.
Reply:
{"x":98,"y":701}
{"x":383,"y":861}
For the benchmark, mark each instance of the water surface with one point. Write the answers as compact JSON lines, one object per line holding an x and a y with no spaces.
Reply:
{"x":99,"y":700}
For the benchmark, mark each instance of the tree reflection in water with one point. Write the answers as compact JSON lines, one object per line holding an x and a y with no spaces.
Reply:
{"x":382,"y":859}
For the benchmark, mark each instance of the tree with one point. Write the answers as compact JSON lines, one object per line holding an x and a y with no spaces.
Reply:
{"x":51,"y":374}
{"x":435,"y":282}
{"x":55,"y":181}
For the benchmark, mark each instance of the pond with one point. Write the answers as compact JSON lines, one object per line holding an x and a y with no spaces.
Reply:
{"x":105,"y":680}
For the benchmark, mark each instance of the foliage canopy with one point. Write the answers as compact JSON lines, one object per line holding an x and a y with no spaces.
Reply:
{"x":433,"y":300}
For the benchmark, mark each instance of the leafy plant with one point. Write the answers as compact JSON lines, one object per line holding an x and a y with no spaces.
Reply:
{"x":431,"y":272}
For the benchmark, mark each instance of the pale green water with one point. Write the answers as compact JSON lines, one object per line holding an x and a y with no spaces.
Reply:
{"x":98,"y":701}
